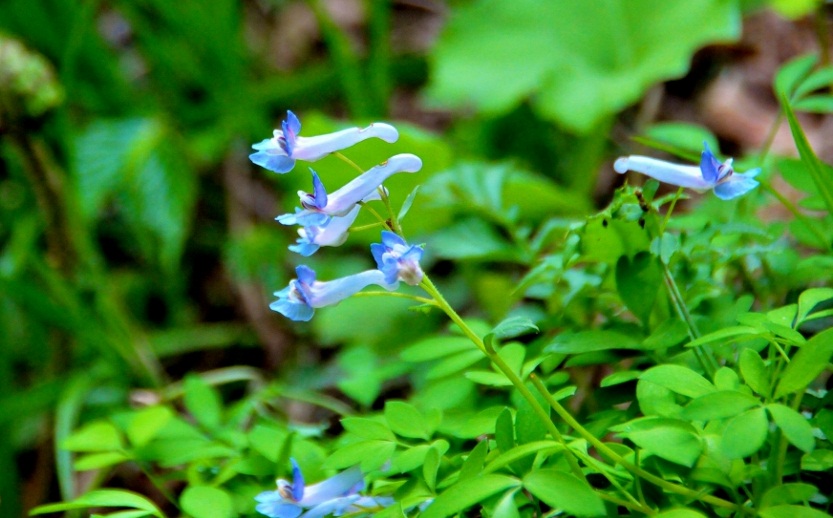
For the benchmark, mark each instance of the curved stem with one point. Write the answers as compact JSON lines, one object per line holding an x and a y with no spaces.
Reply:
{"x":603,"y":449}
{"x":352,"y":164}
{"x":507,"y":371}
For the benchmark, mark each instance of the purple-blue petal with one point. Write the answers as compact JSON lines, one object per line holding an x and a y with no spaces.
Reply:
{"x":304,"y":247}
{"x":319,"y":192}
{"x":709,"y":165}
{"x":305,"y":274}
{"x":297,"y":476}
{"x":292,"y":122}
{"x":390,"y":239}
{"x":291,"y":127}
{"x":277,"y":163}
{"x":378,"y":251}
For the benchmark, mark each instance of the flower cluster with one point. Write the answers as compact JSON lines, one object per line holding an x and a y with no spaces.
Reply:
{"x":711,"y":174}
{"x":336,"y":496}
{"x":325,"y":217}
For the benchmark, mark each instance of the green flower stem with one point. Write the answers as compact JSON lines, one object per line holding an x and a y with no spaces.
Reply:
{"x":670,"y":211}
{"x":507,"y":371}
{"x":703,"y":353}
{"x":631,"y":502}
{"x":366,"y":227}
{"x":349,"y":162}
{"x":422,"y":300}
{"x":385,"y":223}
{"x":603,"y":449}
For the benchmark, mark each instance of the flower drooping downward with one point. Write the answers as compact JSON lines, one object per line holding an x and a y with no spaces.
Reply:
{"x":299,"y":300}
{"x":397,"y":259}
{"x":711,"y":174}
{"x":280,"y":152}
{"x":335,"y":496}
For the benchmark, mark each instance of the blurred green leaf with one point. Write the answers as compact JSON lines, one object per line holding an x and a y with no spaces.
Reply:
{"x":467,"y":493}
{"x":104,"y":498}
{"x":207,"y":502}
{"x":581,"y":62}
{"x":564,"y":491}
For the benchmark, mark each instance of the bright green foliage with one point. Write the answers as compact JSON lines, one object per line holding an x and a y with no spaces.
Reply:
{"x":578,"y":63}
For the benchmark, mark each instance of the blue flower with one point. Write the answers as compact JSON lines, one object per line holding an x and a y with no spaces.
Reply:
{"x":279,"y":153}
{"x":336,"y":495}
{"x":299,"y":300}
{"x":397,"y":259}
{"x":711,"y":174}
{"x":318,"y":207}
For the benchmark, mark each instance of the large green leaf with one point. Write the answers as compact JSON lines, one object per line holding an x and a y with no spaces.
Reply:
{"x":467,"y":493}
{"x":579,"y":61}
{"x":564,"y":491}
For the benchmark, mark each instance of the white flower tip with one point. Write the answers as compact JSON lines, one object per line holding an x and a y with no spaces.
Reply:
{"x":405,"y":162}
{"x":621,"y":165}
{"x":383,"y":131}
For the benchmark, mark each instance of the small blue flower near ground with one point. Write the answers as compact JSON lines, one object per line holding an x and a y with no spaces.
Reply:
{"x":280,"y":152}
{"x":711,"y":174}
{"x":335,"y":496}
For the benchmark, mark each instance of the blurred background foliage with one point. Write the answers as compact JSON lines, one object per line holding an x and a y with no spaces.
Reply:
{"x":137,"y":243}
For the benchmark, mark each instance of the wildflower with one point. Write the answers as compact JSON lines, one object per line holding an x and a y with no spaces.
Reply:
{"x":318,"y":206}
{"x":279,"y":153}
{"x":335,"y":496}
{"x":397,"y":259}
{"x":330,"y":233}
{"x":711,"y":174}
{"x":299,"y":300}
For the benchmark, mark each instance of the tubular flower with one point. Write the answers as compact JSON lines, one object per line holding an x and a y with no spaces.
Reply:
{"x":279,"y":153}
{"x":331,"y":233}
{"x":711,"y":174}
{"x":336,"y":495}
{"x":317,"y":207}
{"x":299,"y":300}
{"x":397,"y":260}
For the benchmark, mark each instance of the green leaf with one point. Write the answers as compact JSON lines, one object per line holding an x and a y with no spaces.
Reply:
{"x":370,"y":455}
{"x":620,"y":377}
{"x":727,"y":332}
{"x":564,"y":491}
{"x":406,"y":205}
{"x":581,"y":62}
{"x":505,"y":431}
{"x":670,"y":439}
{"x":519,"y":452}
{"x":637,"y":281}
{"x":506,"y":506}
{"x":99,"y":460}
{"x":755,"y":372}
{"x":791,"y":511}
{"x":679,"y":379}
{"x":745,"y":434}
{"x":510,"y":328}
{"x":367,"y":428}
{"x":203,"y":402}
{"x":589,"y":341}
{"x":473,"y":464}
{"x":680,"y":513}
{"x":207,"y":502}
{"x":406,"y":421}
{"x":718,"y":405}
{"x":821,"y":176}
{"x":817,"y":460}
{"x":795,"y":426}
{"x":468,"y":493}
{"x":96,"y":436}
{"x":436,"y":347}
{"x":103,"y":498}
{"x":788,"y":494}
{"x":810,"y":361}
{"x":792,"y":74}
{"x":429,"y":469}
{"x":809,"y":299}
{"x":147,"y":423}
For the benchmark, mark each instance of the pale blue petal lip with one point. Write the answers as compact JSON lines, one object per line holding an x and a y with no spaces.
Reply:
{"x":334,"y":507}
{"x":736,"y":185}
{"x":273,"y":161}
{"x":666,"y":172}
{"x":315,"y":148}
